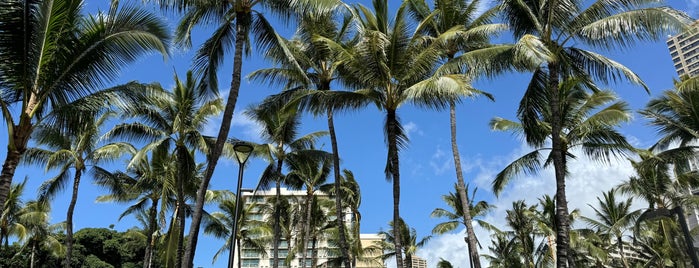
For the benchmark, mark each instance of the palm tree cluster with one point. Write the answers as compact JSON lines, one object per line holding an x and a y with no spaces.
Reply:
{"x":63,"y":114}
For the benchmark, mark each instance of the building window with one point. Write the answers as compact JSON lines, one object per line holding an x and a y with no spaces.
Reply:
{"x":283,"y":253}
{"x":251,"y":263}
{"x":250,"y":253}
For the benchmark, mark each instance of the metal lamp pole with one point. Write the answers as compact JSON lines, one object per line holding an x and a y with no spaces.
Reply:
{"x":242,"y":152}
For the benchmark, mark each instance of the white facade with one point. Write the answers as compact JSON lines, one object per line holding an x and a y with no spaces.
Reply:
{"x":324,"y":250}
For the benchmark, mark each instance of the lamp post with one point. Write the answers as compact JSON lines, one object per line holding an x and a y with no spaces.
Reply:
{"x":242,"y":152}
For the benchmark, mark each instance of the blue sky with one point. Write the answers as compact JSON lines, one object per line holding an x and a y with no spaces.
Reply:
{"x":426,"y":165}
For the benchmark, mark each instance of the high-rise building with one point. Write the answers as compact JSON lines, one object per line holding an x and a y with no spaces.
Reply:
{"x":418,"y":262}
{"x":684,"y":50}
{"x":322,"y":250}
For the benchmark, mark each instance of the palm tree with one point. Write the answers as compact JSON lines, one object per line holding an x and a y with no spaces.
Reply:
{"x":83,"y":54}
{"x":148,"y":188}
{"x":175,"y":120}
{"x":310,"y":172}
{"x":280,"y":123}
{"x":673,"y":113}
{"x":253,"y":234}
{"x":455,"y":216}
{"x":11,"y":210}
{"x":457,"y":27}
{"x":614,"y":218}
{"x":392,"y":67}
{"x":236,"y":20}
{"x":73,"y":150}
{"x":312,"y":82}
{"x":409,"y":235}
{"x":563,"y":27}
{"x":585,"y":120}
{"x":39,"y":233}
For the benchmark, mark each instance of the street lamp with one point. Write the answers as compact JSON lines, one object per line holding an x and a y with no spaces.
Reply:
{"x":682,"y":221}
{"x":242,"y":152}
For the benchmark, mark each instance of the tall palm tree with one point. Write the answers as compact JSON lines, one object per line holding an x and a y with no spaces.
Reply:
{"x":151,"y":192}
{"x":310,"y":172}
{"x":458,"y":26}
{"x":614,"y":218}
{"x":563,"y":27}
{"x":410,"y":247}
{"x":253,"y":234}
{"x":392,"y":67}
{"x":280,"y":123}
{"x":65,"y":55}
{"x":9,"y":225}
{"x":73,"y":150}
{"x":39,"y":232}
{"x":235,"y":20}
{"x":313,"y":81}
{"x":586,"y":118}
{"x":174,"y":122}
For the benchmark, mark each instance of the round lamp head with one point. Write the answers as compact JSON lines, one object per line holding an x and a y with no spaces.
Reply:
{"x":242,"y":151}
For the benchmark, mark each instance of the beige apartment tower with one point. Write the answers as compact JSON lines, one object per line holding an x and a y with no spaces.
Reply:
{"x":320,"y":251}
{"x":684,"y":50}
{"x":418,"y":262}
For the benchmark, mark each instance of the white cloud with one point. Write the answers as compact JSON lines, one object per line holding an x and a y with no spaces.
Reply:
{"x":585,"y":183}
{"x":242,"y":127}
{"x":411,"y":128}
{"x":440,"y":163}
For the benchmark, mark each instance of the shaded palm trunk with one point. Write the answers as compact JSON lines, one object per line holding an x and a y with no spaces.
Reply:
{"x":215,"y":152}
{"x":305,"y":225}
{"x":558,"y":155}
{"x":69,"y":219}
{"x":393,"y":172}
{"x":152,"y":227}
{"x":314,"y":254}
{"x":277,"y":214}
{"x":339,"y":210}
{"x":183,"y":173}
{"x":16,"y":146}
{"x":461,"y":188}
{"x":31,"y":259}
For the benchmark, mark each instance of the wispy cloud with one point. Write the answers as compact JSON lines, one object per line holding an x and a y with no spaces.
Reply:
{"x":440,"y":162}
{"x":411,"y":128}
{"x":587,"y":180}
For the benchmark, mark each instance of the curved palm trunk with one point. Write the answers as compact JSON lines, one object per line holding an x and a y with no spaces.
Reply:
{"x":16,"y":146}
{"x":461,"y":188}
{"x":182,"y":176}
{"x":314,"y":255}
{"x":215,"y":152}
{"x":277,"y":215}
{"x":237,"y":248}
{"x":69,"y":219}
{"x":305,"y":225}
{"x":558,"y":155}
{"x":393,"y":172}
{"x":152,"y":226}
{"x":339,"y":210}
{"x":31,"y":259}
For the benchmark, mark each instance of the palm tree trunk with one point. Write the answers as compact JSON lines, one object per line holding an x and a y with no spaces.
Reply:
{"x":461,"y":188}
{"x":152,"y":225}
{"x":393,"y":172}
{"x":305,"y":226}
{"x":69,"y":219}
{"x":182,"y":176}
{"x":215,"y":152}
{"x":344,"y":249}
{"x":8,"y":172}
{"x":558,"y":154}
{"x":31,"y":259}
{"x":237,"y":248}
{"x":277,"y":215}
{"x":16,"y":146}
{"x":314,"y":255}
